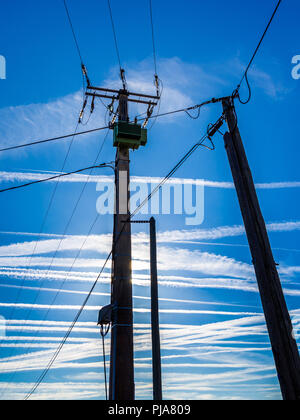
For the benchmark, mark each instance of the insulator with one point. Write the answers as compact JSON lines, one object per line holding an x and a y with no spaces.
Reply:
{"x":156,"y":82}
{"x":93,"y":105}
{"x":145,"y":123}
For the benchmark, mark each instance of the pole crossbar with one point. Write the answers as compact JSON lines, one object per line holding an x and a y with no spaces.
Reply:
{"x":118,"y":92}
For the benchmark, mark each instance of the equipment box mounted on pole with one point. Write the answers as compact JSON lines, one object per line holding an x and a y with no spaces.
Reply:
{"x":129,"y":135}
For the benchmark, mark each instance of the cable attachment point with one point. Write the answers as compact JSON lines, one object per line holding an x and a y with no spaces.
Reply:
{"x":235,"y":93}
{"x":212,"y":129}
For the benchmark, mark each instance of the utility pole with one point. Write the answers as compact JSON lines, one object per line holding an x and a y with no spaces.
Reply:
{"x":127,"y":135}
{"x":278,"y":320}
{"x":156,"y":356}
{"x":121,"y":367}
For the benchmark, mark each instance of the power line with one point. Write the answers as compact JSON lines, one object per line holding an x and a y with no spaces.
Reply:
{"x":83,"y":67}
{"x":168,"y":176}
{"x":94,"y":130}
{"x":209,"y":134}
{"x":64,"y":233}
{"x":153,"y":36}
{"x":46,"y":214}
{"x":42,"y":227}
{"x":157,"y":82}
{"x":245,"y":75}
{"x":114,"y":34}
{"x":67,"y":227}
{"x":53,"y":301}
{"x":73,"y":135}
{"x":22,"y":286}
{"x":53,"y":139}
{"x":54,"y":357}
{"x":54,"y":177}
{"x":73,"y":31}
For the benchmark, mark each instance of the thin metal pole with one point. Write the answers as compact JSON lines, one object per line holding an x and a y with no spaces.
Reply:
{"x":156,"y":355}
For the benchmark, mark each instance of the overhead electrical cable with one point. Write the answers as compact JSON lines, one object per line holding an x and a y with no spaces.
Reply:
{"x":245,"y":75}
{"x":73,"y":31}
{"x":181,"y":162}
{"x":122,"y":71}
{"x":46,"y":214}
{"x":114,"y":33}
{"x":54,"y":357}
{"x":91,"y":168}
{"x":212,"y":130}
{"x":157,"y":81}
{"x":94,"y":130}
{"x":153,"y":37}
{"x":28,"y":184}
{"x":168,"y":176}
{"x":53,"y":139}
{"x":50,"y":204}
{"x":83,"y":67}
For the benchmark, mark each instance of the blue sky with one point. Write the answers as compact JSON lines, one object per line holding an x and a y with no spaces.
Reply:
{"x":214,"y":340}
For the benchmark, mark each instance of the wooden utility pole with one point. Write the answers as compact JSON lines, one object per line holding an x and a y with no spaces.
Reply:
{"x":156,"y":356}
{"x":121,"y":365}
{"x":278,"y":320}
{"x":127,"y":135}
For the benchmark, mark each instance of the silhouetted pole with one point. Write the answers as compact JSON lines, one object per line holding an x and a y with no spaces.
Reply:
{"x":278,"y":320}
{"x":127,"y":135}
{"x":121,"y":360}
{"x":156,"y":356}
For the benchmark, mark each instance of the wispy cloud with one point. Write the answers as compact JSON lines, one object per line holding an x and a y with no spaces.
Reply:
{"x":102,"y":243}
{"x":6,"y":176}
{"x":259,"y":78}
{"x":196,"y":348}
{"x":57,"y":117}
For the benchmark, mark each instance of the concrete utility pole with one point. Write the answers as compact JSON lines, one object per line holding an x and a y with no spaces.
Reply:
{"x":127,"y":135}
{"x":278,"y":320}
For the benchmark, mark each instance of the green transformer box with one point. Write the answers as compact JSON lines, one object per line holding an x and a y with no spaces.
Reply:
{"x":129,"y":135}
